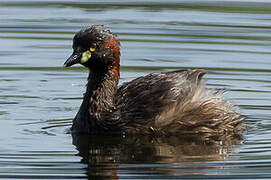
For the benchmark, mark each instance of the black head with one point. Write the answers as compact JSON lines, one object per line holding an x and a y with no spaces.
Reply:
{"x":95,"y":47}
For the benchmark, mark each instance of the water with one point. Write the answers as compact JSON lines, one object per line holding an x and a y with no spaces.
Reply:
{"x":39,"y":98}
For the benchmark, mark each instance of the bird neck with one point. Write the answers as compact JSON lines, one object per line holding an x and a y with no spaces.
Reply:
{"x":99,"y":99}
{"x":98,"y":103}
{"x":101,"y":91}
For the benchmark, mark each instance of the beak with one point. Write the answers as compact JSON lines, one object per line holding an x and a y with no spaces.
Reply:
{"x":73,"y":59}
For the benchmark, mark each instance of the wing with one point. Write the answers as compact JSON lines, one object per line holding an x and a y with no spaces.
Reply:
{"x":141,"y":100}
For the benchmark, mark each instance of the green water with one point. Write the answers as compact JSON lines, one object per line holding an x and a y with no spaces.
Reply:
{"x":39,"y":98}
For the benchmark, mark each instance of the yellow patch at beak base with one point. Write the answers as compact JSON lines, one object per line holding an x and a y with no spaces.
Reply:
{"x":85,"y":56}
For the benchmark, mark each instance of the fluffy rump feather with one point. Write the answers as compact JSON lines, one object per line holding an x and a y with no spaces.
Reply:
{"x":205,"y":112}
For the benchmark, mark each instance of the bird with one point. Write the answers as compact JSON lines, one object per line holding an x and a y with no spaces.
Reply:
{"x":175,"y":102}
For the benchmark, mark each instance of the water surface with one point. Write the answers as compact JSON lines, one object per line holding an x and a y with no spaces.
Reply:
{"x":39,"y":98}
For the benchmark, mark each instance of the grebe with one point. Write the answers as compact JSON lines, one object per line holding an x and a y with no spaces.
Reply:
{"x":159,"y":103}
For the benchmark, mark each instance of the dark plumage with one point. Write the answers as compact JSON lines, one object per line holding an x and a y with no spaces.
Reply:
{"x":164,"y":103}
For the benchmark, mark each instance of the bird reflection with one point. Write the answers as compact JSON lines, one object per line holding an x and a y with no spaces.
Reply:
{"x":104,"y":154}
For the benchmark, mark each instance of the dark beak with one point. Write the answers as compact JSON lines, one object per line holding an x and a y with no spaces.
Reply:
{"x":73,"y":59}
